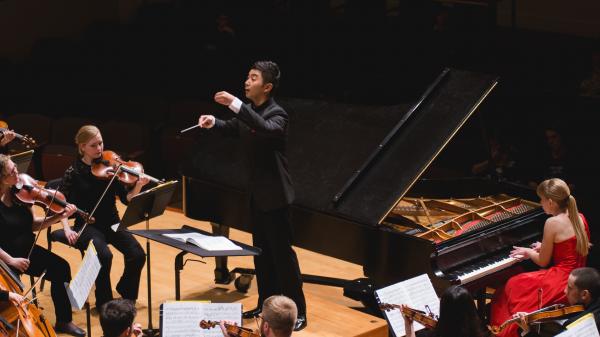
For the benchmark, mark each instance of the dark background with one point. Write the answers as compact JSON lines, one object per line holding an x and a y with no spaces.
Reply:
{"x":143,"y":70}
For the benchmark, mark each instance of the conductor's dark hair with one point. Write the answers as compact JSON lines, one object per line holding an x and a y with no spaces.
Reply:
{"x":116,"y":316}
{"x":458,"y":315}
{"x":270,"y":73}
{"x":587,"y":278}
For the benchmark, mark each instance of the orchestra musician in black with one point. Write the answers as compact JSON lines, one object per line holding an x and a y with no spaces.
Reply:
{"x":84,"y":189}
{"x":262,"y":126}
{"x":458,"y":317}
{"x":19,"y":251}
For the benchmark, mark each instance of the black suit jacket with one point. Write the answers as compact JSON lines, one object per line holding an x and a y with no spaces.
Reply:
{"x":263,"y":132}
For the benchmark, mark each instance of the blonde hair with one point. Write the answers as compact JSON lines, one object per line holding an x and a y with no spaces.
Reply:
{"x":84,"y":135}
{"x":558,"y":191}
{"x":280,"y":312}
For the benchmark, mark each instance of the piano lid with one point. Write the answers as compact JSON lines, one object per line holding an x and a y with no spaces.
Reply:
{"x":411,"y":146}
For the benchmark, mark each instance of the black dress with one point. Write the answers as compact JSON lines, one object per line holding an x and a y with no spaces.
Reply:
{"x":84,"y":189}
{"x":17,"y":238}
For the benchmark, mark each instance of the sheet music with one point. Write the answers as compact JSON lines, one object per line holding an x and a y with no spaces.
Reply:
{"x":182,"y":318}
{"x":210,"y":243}
{"x":416,"y":293}
{"x":79,"y":287}
{"x":583,"y":327}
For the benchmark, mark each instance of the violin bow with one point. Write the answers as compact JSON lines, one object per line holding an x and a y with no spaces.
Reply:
{"x":34,"y":284}
{"x":87,"y":221}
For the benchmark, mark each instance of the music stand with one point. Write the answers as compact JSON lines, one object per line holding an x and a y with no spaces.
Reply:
{"x":22,"y":160}
{"x":143,"y":207}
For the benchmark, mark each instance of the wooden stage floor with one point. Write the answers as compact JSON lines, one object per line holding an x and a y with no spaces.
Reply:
{"x":329,"y":313}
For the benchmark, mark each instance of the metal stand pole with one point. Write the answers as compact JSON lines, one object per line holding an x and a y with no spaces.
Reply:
{"x":150,"y":331}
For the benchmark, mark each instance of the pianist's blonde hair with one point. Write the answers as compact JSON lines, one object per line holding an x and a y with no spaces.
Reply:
{"x":84,"y":134}
{"x":558,"y":191}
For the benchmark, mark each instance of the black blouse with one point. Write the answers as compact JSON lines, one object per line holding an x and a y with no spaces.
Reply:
{"x":83,"y":189}
{"x":16,"y":222}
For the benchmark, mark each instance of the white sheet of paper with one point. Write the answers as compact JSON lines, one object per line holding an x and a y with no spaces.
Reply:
{"x":78,"y":289}
{"x":583,"y":327}
{"x":416,"y":293}
{"x":182,"y":318}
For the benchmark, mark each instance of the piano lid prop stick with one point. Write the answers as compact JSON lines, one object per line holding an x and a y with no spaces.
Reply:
{"x":190,"y":128}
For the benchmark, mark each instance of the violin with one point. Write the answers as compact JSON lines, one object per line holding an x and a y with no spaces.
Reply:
{"x":28,"y":191}
{"x":128,"y":172}
{"x":428,"y":320}
{"x":552,"y":312}
{"x":27,"y":141}
{"x":25,"y":317}
{"x":232,"y":330}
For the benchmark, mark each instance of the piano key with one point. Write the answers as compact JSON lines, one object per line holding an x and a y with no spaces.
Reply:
{"x":487,"y":269}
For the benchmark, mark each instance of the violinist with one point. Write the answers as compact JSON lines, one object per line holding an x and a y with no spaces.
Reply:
{"x":116,"y":319}
{"x":17,"y":222}
{"x":458,"y":316}
{"x":80,"y":186}
{"x":278,"y":318}
{"x":583,"y":287}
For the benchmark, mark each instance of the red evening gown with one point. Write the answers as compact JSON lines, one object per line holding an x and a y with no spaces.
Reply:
{"x":520,"y":293}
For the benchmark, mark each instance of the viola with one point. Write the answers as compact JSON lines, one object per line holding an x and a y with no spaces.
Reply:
{"x":128,"y":172}
{"x":429,"y":320}
{"x":28,"y":191}
{"x":232,"y":330}
{"x":552,"y":312}
{"x":24,"y":139}
{"x":27,"y":317}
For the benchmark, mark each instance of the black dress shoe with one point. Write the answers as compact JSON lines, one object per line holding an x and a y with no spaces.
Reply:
{"x":69,"y":328}
{"x":301,"y":322}
{"x":252,"y":313}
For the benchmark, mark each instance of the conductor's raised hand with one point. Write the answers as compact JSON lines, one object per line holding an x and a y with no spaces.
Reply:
{"x":206,"y":121}
{"x":224,"y":98}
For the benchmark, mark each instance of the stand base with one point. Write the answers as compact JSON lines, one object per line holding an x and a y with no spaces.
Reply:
{"x":151,"y":332}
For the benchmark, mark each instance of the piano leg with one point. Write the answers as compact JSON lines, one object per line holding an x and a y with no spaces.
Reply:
{"x":222,"y":274}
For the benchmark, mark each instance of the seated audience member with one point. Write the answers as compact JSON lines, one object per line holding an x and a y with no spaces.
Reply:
{"x":502,"y":163}
{"x":583,"y":287}
{"x":278,"y":317}
{"x":116,"y":319}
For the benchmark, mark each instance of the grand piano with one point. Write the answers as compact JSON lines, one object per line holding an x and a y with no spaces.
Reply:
{"x":361,"y":195}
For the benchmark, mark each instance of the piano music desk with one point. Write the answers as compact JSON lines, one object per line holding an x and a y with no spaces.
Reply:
{"x":328,"y":319}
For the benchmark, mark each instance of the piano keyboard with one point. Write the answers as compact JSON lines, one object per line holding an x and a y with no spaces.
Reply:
{"x":485,"y":268}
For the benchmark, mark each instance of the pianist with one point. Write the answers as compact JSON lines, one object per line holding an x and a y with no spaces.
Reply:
{"x":565,"y":243}
{"x":583,"y":287}
{"x":458,"y":317}
{"x":262,"y":127}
